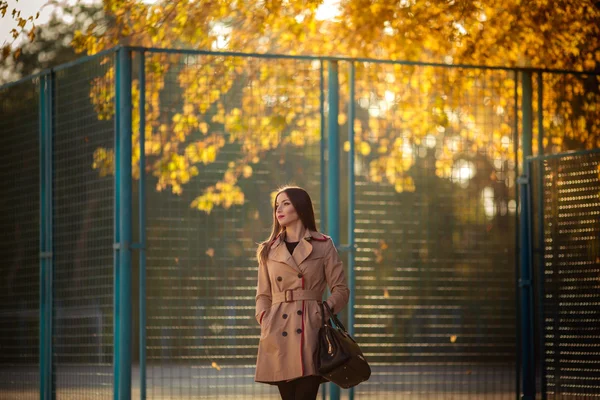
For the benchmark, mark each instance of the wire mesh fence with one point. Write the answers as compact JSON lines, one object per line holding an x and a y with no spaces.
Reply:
{"x":19,"y":246}
{"x":435,"y":299}
{"x":435,"y":164}
{"x":201,"y":330}
{"x":424,"y":235}
{"x":83,"y":193}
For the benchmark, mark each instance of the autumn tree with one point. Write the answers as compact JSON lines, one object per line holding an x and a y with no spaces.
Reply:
{"x":402,"y":106}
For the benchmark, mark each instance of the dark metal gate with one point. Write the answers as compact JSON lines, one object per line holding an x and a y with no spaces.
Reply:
{"x":565,"y":255}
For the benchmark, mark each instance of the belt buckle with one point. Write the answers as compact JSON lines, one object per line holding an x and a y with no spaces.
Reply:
{"x":291,"y":297}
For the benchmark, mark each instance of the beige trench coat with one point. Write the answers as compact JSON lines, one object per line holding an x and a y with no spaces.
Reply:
{"x":290,"y":288}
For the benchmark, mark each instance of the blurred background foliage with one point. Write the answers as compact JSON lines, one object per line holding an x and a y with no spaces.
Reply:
{"x":540,"y":34}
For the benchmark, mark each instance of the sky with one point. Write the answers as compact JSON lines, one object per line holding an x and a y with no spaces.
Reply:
{"x":28,"y":8}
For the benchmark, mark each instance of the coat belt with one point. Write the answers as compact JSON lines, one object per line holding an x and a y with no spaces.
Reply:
{"x":288,"y":296}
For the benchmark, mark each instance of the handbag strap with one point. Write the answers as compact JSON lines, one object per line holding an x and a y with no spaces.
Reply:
{"x":332,"y":316}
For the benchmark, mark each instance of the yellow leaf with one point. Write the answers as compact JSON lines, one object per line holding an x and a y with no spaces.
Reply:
{"x":203,"y":127}
{"x":364,"y":148}
{"x":5,"y":51}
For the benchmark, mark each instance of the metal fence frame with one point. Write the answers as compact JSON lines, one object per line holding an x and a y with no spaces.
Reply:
{"x":123,"y":241}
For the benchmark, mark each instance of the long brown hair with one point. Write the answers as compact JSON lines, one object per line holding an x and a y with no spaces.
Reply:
{"x":304,"y":207}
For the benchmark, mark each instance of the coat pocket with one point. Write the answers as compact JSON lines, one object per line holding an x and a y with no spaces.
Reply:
{"x":267,"y":320}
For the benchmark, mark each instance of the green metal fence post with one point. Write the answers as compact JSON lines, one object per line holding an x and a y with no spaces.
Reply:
{"x":142,"y":223}
{"x":333,"y":151}
{"x":351,"y":193}
{"x":333,"y":171}
{"x":123,"y":211}
{"x":46,"y":258}
{"x":527,"y":348}
{"x":322,"y":145}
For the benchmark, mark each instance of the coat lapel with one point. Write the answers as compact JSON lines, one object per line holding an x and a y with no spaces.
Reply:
{"x":280,"y":253}
{"x":303,"y":249}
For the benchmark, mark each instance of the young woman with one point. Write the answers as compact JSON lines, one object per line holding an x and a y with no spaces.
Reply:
{"x":295,"y":265}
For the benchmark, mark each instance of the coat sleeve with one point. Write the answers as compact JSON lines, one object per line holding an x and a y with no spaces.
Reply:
{"x":263,"y":292}
{"x":336,"y":280}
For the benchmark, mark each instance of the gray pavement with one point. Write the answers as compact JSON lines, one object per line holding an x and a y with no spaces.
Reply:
{"x":181,"y":382}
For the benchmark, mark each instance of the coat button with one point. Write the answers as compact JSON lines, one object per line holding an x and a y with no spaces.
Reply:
{"x":299,"y":312}
{"x":284,"y":333}
{"x":298,"y":330}
{"x":279,"y":278}
{"x":299,"y":275}
{"x":284,"y":316}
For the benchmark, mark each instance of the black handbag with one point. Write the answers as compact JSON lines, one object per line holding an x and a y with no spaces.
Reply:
{"x":340,"y":358}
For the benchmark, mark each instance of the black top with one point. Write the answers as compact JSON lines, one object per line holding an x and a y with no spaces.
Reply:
{"x":291,"y":246}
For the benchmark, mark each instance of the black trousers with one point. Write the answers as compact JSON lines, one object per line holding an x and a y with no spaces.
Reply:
{"x":305,"y":388}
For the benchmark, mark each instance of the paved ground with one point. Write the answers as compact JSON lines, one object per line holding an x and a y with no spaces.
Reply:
{"x":414,"y":382}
